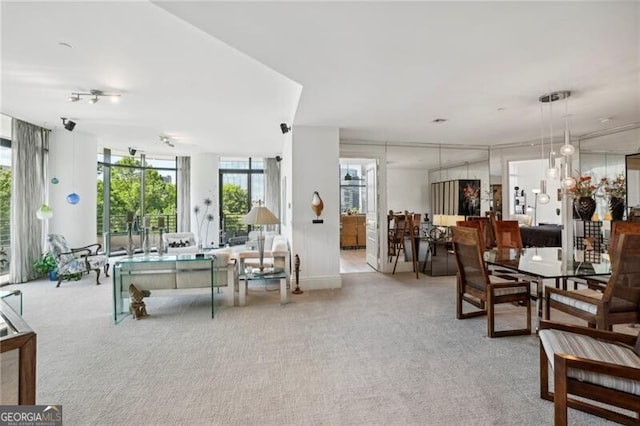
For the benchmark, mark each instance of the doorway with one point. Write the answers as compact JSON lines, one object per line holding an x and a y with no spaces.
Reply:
{"x":359,"y":251}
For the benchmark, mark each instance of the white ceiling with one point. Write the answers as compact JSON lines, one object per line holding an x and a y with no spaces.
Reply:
{"x":221,"y":76}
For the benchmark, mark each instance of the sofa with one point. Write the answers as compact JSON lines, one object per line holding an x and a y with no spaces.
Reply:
{"x":183,"y":274}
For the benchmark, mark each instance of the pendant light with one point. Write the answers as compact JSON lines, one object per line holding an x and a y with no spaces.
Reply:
{"x":552,"y":171}
{"x":542,"y":197}
{"x":567,"y":150}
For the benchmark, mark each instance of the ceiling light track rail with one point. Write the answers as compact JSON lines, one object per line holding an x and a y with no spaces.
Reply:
{"x":94,"y":96}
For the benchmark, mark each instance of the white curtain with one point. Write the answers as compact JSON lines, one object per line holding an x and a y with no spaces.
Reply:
{"x":184,"y":194}
{"x":272,"y":188}
{"x":29,"y":158}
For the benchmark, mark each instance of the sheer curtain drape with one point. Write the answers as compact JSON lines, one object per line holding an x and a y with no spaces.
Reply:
{"x":29,"y":157}
{"x":272,"y":187}
{"x":184,"y":194}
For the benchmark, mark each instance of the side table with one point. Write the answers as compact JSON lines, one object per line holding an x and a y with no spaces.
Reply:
{"x":6,"y":294}
{"x":267,"y":274}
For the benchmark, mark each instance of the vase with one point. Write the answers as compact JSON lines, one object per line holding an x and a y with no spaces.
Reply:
{"x":585,"y":207}
{"x":616,"y":205}
{"x":160,"y":241}
{"x":131,"y":247}
{"x":146,"y":241}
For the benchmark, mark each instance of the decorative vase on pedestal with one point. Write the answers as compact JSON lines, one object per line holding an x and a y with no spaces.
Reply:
{"x":131,"y":247}
{"x":616,"y":205}
{"x":585,"y":207}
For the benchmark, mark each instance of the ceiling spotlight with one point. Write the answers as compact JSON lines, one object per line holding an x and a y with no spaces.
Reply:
{"x":68,"y":124}
{"x":166,"y":140}
{"x":284,"y":128}
{"x":94,"y":96}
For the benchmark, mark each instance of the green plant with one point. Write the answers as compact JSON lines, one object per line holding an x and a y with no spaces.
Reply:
{"x":45,"y":264}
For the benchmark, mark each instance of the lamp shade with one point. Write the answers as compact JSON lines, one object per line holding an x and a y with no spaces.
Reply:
{"x":260,"y":215}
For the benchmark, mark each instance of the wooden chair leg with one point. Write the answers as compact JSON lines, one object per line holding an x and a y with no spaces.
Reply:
{"x":97,"y":276}
{"x":491,"y":315}
{"x":59,"y":280}
{"x":560,"y":391}
{"x":106,"y":270}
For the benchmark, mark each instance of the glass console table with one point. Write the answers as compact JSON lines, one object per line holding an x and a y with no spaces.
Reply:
{"x":158,"y":274}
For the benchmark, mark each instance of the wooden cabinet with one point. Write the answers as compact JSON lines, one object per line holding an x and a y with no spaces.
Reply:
{"x":353,"y":233}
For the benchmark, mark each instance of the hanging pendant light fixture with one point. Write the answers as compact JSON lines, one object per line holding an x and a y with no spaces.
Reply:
{"x":542,"y":197}
{"x":567,"y":149}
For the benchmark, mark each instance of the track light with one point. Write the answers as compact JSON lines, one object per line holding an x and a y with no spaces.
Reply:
{"x":68,"y":124}
{"x":132,"y":151}
{"x":285,"y":129}
{"x":166,"y":140}
{"x":95,"y":96}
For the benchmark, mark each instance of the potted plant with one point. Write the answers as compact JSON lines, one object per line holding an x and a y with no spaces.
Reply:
{"x":615,"y":190}
{"x":46,"y":264}
{"x":583,"y":194}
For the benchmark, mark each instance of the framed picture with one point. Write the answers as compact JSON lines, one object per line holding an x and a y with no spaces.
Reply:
{"x":469,"y":197}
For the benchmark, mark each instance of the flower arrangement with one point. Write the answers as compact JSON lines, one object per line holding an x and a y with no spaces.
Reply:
{"x":614,"y":188}
{"x":584,"y":187}
{"x":200,"y":219}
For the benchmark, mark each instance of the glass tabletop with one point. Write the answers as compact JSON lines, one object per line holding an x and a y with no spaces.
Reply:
{"x":550,"y":262}
{"x":167,"y":258}
{"x":267,"y":273}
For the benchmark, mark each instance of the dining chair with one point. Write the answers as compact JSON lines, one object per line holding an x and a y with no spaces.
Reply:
{"x":617,"y":303}
{"x":617,"y":228}
{"x":600,"y":367}
{"x":476,"y":287}
{"x":507,"y":233}
{"x":487,"y":228}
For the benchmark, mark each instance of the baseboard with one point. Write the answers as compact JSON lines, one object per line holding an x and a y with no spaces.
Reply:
{"x":318,"y":283}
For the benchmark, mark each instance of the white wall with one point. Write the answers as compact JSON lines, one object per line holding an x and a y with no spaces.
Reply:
{"x":526,"y":175}
{"x":204,"y":184}
{"x":315,"y":159}
{"x":408,"y":189}
{"x":73,"y":160}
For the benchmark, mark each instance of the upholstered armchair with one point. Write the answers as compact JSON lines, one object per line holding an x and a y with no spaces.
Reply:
{"x":72,"y":261}
{"x":596,"y":371}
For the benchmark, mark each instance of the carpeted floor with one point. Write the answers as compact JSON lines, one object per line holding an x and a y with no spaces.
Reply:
{"x":382,"y":350}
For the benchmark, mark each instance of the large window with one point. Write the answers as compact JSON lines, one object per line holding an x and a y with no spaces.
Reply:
{"x":139,"y":187}
{"x":5,"y":204}
{"x":241,"y":186}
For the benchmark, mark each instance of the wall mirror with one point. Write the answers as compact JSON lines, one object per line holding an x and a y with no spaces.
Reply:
{"x":633,"y":184}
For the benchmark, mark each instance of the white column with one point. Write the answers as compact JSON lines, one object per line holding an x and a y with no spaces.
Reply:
{"x":204,"y":185}
{"x":73,"y":160}
{"x":315,"y":158}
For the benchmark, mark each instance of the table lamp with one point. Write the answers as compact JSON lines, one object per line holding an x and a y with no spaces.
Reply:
{"x":260,"y":215}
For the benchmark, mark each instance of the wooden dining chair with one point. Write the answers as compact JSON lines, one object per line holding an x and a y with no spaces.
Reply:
{"x":507,"y":233}
{"x":487,"y":230}
{"x":476,"y":287}
{"x":618,"y":303}
{"x":600,"y":367}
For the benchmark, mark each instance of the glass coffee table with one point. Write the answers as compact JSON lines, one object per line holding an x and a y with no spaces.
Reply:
{"x":254,"y":274}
